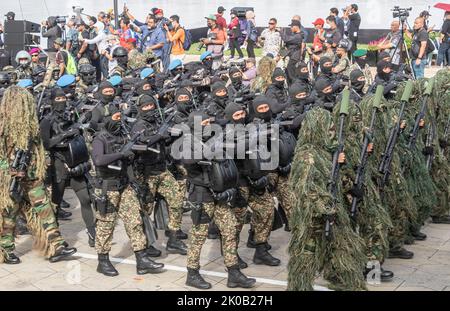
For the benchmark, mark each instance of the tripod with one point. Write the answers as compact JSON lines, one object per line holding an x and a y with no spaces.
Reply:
{"x":403,"y":47}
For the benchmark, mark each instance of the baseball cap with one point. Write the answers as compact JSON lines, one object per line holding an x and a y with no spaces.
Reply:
{"x":158,"y":11}
{"x":220,"y":9}
{"x":12,"y":14}
{"x":295,"y":22}
{"x":319,"y":21}
{"x":211,"y":16}
{"x":425,"y":13}
{"x":59,"y":41}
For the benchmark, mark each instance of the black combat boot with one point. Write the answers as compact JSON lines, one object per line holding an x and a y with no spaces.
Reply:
{"x":61,"y":253}
{"x":105,"y":266}
{"x":401,"y":253}
{"x":194,"y":279}
{"x":10,"y":258}
{"x":62,"y":214}
{"x":91,"y":236}
{"x":213,"y":231}
{"x":441,"y":219}
{"x":64,"y":204}
{"x":180,"y":234}
{"x":145,"y":265}
{"x":251,"y":242}
{"x":174,"y":245}
{"x":263,"y":257}
{"x":237,"y":279}
{"x":419,"y":236}
{"x":242,"y":264}
{"x":386,"y":275}
{"x":153,"y":251}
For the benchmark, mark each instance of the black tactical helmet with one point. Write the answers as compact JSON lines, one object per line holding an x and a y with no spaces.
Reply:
{"x":5,"y":79}
{"x":120,"y":52}
{"x":86,"y":69}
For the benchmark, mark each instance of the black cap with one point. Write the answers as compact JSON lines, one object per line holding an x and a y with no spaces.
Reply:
{"x":425,"y":13}
{"x":220,"y":9}
{"x":295,"y":22}
{"x":12,"y":14}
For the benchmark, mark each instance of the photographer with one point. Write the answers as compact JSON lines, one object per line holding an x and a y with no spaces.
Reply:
{"x":444,"y":48}
{"x":332,"y":33}
{"x":215,"y":41}
{"x":419,"y":48}
{"x":176,"y":35}
{"x":354,"y":21}
{"x":391,"y":44}
{"x":293,"y":42}
{"x":271,"y":39}
{"x":339,"y":22}
{"x":51,"y":30}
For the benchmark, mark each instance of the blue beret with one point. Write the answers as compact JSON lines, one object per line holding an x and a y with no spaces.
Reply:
{"x":25,"y":83}
{"x":65,"y":80}
{"x":115,"y":80}
{"x":147,"y":72}
{"x":174,"y":64}
{"x":205,"y":55}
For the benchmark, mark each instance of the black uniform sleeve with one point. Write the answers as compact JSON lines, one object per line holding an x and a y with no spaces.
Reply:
{"x":48,"y":141}
{"x":98,"y":154}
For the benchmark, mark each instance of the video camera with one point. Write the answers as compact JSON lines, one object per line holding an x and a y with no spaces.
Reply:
{"x":211,"y":36}
{"x":402,"y":13}
{"x":77,"y":9}
{"x":240,"y":63}
{"x":61,"y":19}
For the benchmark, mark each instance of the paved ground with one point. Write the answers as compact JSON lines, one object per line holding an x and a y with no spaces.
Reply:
{"x":429,"y":270}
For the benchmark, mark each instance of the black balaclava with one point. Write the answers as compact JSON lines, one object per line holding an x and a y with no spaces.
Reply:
{"x":354,"y":76}
{"x":320,"y":85}
{"x":58,"y":106}
{"x":258,"y":101}
{"x":221,"y":100}
{"x":208,"y":62}
{"x":380,"y":66}
{"x":148,"y":115}
{"x":361,"y":61}
{"x":298,"y":88}
{"x":230,"y":110}
{"x":140,"y":88}
{"x":122,"y":61}
{"x":278,"y":72}
{"x":304,"y":76}
{"x":325,"y":70}
{"x":112,"y":126}
{"x":197,"y":115}
{"x":235,"y":77}
{"x":185,"y":106}
{"x":105,"y":99}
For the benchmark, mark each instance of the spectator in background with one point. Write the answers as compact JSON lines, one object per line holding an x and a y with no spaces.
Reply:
{"x":339,"y":22}
{"x":72,"y":43}
{"x":332,"y":33}
{"x":354,"y":22}
{"x":294,"y":43}
{"x":444,"y":48}
{"x":270,"y":39}
{"x":83,"y":34}
{"x":176,"y":36}
{"x":252,"y":34}
{"x":426,"y":15}
{"x":101,"y":43}
{"x":112,"y":43}
{"x":249,"y":75}
{"x":391,"y":44}
{"x":419,"y":47}
{"x":61,"y":56}
{"x":155,"y":37}
{"x":51,"y":31}
{"x":234,"y":33}
{"x":319,"y":33}
{"x":125,"y":33}
{"x":1,"y":36}
{"x":220,"y":20}
{"x":215,"y":43}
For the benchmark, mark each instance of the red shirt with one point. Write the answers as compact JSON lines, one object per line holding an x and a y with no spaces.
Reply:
{"x":221,"y":22}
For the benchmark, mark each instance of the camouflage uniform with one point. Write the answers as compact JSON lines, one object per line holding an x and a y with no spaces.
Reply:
{"x":136,"y":59}
{"x":262,"y":206}
{"x":166,"y":185}
{"x":224,"y":218}
{"x":282,"y":192}
{"x":343,"y":66}
{"x":124,"y":205}
{"x":367,"y":74}
{"x":24,"y":73}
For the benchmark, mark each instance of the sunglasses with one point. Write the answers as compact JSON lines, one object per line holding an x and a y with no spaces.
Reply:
{"x":271,"y":23}
{"x":35,"y":55}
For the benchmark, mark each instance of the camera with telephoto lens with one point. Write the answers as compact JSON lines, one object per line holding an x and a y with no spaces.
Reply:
{"x":61,"y":19}
{"x":77,"y":9}
{"x":211,"y":36}
{"x":402,"y":13}
{"x":168,"y":23}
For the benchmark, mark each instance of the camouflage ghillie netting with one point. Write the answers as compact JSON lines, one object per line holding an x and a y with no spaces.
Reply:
{"x":18,"y":123}
{"x":373,"y":221}
{"x":265,"y":69}
{"x":419,"y":182}
{"x":342,"y":258}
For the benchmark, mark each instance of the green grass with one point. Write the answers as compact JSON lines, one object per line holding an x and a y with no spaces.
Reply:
{"x":258,"y":52}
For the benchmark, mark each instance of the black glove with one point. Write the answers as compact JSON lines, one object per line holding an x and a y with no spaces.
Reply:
{"x":72,"y":132}
{"x":226,"y":196}
{"x":284,"y":171}
{"x":127,"y":154}
{"x":428,"y":151}
{"x":443,"y":143}
{"x":357,"y":192}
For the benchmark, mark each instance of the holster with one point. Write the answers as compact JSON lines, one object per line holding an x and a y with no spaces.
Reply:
{"x":199,"y":215}
{"x":16,"y":191}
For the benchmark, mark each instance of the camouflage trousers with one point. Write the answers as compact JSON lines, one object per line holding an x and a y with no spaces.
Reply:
{"x":167,"y":186}
{"x":40,"y":218}
{"x":225,"y":220}
{"x":262,"y":207}
{"x":282,"y":192}
{"x":125,"y":205}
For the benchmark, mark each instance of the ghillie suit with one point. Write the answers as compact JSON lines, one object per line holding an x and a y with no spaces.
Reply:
{"x":264,"y":73}
{"x":440,"y":167}
{"x":19,"y":128}
{"x":419,"y":182}
{"x":395,"y":194}
{"x":372,"y":221}
{"x":341,"y":257}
